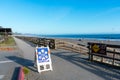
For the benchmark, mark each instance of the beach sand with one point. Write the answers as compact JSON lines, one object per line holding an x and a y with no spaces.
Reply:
{"x":84,"y":42}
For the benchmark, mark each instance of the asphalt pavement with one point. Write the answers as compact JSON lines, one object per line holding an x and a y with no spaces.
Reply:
{"x":7,"y":66}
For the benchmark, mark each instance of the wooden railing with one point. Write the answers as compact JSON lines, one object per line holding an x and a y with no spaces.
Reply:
{"x":62,"y":44}
{"x":56,"y":44}
{"x":39,"y":41}
{"x":111,"y":56}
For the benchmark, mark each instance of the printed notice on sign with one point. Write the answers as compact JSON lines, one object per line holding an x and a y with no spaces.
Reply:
{"x":44,"y":62}
{"x":43,"y":55}
{"x":99,"y":48}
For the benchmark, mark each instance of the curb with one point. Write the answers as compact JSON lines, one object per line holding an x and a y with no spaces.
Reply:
{"x":21,"y":74}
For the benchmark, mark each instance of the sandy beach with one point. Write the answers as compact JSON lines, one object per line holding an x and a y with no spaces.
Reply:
{"x":83,"y":42}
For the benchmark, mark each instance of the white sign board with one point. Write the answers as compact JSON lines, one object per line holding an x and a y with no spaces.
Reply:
{"x":43,"y":59}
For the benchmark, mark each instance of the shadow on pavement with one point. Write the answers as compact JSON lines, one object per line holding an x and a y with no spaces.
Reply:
{"x":24,"y":62}
{"x":104,"y":71}
{"x":15,"y":74}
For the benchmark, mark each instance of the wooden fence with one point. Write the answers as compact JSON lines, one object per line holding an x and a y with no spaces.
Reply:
{"x":39,"y":41}
{"x":105,"y":53}
{"x":56,"y":44}
{"x":62,"y":44}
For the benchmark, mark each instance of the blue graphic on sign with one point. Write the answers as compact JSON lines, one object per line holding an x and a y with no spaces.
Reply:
{"x":43,"y":55}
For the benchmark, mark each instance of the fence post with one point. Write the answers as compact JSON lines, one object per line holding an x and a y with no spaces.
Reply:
{"x":113,"y":58}
{"x":89,"y":53}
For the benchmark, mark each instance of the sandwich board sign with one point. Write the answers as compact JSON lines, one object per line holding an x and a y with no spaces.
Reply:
{"x":43,"y":59}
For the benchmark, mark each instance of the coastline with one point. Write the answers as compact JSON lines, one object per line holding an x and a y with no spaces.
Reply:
{"x":79,"y":41}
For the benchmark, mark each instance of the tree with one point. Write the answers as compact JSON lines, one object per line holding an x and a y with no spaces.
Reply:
{"x":1,"y":27}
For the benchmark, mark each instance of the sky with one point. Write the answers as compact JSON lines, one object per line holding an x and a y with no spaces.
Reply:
{"x":61,"y":16}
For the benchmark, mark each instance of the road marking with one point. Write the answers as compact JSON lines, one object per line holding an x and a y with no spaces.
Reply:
{"x":5,"y":61}
{"x":1,"y":77}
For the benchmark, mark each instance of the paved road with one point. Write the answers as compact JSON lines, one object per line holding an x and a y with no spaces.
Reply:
{"x":7,"y":66}
{"x":11,"y":60}
{"x":66,"y":66}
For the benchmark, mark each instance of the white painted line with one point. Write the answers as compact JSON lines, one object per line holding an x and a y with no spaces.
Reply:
{"x":1,"y":77}
{"x":5,"y":61}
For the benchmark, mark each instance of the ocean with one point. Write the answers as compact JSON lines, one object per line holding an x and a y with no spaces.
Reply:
{"x":111,"y":37}
{"x":85,"y":36}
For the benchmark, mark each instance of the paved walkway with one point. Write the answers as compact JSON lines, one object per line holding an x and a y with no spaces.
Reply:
{"x":8,"y":65}
{"x":66,"y":66}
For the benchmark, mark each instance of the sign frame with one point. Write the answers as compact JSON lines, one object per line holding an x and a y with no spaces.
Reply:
{"x":42,"y":64}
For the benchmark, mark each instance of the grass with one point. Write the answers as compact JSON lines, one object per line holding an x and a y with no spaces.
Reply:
{"x":9,"y":42}
{"x":25,"y":70}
